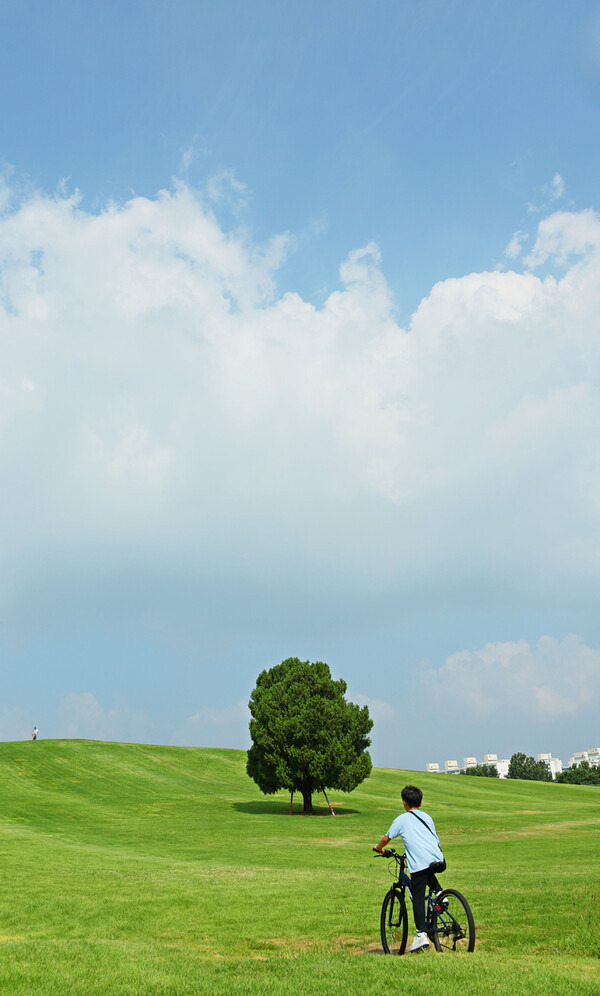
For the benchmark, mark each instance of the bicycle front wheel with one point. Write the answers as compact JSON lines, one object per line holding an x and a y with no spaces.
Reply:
{"x":394,"y":923}
{"x":453,"y":928}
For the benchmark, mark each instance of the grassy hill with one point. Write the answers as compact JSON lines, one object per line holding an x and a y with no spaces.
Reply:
{"x":139,"y":869}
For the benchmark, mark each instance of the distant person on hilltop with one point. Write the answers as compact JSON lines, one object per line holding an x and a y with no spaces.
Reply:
{"x":423,"y":853}
{"x":34,"y":734}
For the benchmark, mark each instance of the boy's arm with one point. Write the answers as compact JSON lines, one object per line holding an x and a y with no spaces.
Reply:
{"x":382,"y":843}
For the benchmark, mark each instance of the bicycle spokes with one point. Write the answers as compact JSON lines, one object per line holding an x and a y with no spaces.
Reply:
{"x":452,"y":923}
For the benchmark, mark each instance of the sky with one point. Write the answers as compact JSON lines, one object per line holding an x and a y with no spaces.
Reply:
{"x":300,"y":356}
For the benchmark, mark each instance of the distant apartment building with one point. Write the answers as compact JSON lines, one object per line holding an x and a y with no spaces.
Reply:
{"x":552,"y":763}
{"x":502,"y":765}
{"x":592,"y":756}
{"x":452,"y":766}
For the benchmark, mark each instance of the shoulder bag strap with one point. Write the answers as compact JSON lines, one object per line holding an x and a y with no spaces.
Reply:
{"x":423,"y":822}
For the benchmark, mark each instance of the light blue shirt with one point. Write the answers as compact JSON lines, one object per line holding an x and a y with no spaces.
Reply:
{"x":422,"y":845}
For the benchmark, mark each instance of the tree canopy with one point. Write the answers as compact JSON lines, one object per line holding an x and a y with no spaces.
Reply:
{"x":580,"y":774}
{"x":483,"y":770}
{"x":305,"y":736}
{"x":524,"y":766}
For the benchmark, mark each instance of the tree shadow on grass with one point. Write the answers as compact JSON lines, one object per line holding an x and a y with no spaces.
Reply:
{"x":277,"y":807}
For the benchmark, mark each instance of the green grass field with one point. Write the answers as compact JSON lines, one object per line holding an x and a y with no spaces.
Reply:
{"x":137,"y":869}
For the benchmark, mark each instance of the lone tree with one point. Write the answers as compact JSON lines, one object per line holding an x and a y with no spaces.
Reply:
{"x":305,"y":736}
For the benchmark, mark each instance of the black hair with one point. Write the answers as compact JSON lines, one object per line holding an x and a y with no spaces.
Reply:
{"x":412,"y":795}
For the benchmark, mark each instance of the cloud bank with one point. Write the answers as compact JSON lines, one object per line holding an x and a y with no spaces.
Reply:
{"x":555,"y":680}
{"x":163,"y":407}
{"x":81,"y":715}
{"x":153,"y":382}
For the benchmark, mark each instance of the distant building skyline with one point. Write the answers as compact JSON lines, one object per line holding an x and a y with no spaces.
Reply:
{"x":554,"y":764}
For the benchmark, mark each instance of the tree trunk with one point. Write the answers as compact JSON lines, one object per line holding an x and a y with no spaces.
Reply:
{"x":307,"y":796}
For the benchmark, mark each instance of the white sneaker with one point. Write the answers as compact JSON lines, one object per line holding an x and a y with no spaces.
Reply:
{"x":421,"y":941}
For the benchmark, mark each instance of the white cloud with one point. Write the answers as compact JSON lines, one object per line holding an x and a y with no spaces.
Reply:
{"x":191,"y":154}
{"x":222,"y":717}
{"x":225,"y":186}
{"x":564,"y":235}
{"x":6,"y":194}
{"x":183,"y":407}
{"x":379,"y":711}
{"x":557,"y":187}
{"x":222,"y":727}
{"x":551,"y":681}
{"x":515,"y":246}
{"x":80,"y":715}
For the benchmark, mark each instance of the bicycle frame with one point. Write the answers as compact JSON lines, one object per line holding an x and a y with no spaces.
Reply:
{"x":439,"y":919}
{"x":403,"y":880}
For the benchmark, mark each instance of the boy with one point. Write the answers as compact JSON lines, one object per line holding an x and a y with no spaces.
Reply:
{"x":422,"y":848}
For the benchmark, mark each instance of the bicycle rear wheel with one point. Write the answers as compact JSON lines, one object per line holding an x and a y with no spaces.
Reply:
{"x":453,"y":928}
{"x":394,"y":923}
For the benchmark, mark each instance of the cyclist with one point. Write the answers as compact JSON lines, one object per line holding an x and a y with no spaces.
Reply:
{"x":423,"y":854}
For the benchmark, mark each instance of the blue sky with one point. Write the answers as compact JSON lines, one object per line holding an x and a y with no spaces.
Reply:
{"x":300,"y":356}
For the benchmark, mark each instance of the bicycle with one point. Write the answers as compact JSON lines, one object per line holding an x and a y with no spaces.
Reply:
{"x":449,"y":921}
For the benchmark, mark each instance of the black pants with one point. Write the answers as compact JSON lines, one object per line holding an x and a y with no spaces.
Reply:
{"x":418,"y":881}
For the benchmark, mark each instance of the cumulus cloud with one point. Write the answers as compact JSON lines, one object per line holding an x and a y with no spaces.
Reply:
{"x":80,"y":715}
{"x":557,"y":187}
{"x":379,"y":711}
{"x":228,"y":727}
{"x":191,"y":154}
{"x":515,"y":246}
{"x":555,"y":680}
{"x":565,"y":235}
{"x":157,"y":393}
{"x":225,"y":186}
